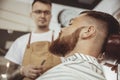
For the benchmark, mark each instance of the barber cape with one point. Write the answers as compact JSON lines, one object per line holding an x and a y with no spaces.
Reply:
{"x":75,"y":67}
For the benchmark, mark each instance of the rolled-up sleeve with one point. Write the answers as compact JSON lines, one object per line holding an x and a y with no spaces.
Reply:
{"x":14,"y":53}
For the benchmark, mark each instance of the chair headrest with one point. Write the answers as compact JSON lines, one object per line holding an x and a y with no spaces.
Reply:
{"x":112,"y":51}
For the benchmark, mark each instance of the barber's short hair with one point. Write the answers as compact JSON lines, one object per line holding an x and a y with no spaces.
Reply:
{"x":43,"y":1}
{"x":113,"y":26}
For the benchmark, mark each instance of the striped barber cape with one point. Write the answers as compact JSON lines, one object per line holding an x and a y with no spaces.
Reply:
{"x":75,"y":67}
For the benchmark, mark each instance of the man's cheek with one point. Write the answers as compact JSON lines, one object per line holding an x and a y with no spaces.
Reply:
{"x":48,"y":18}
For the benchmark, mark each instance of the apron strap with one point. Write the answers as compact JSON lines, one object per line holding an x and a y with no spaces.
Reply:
{"x":28,"y":45}
{"x":52,"y":35}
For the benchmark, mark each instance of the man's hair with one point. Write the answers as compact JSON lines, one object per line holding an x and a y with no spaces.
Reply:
{"x":43,"y":1}
{"x":113,"y":26}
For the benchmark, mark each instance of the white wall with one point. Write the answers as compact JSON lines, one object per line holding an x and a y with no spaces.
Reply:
{"x":109,"y":6}
{"x":14,"y":14}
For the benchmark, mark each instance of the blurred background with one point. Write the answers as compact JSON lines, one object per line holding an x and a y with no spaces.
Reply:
{"x":15,"y":19}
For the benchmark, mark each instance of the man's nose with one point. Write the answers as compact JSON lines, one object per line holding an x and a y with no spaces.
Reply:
{"x":43,"y":15}
{"x":60,"y":32}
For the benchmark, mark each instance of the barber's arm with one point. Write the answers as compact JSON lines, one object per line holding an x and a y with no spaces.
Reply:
{"x":17,"y":72}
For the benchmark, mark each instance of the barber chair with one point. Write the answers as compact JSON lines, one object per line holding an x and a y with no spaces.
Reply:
{"x":112,"y":51}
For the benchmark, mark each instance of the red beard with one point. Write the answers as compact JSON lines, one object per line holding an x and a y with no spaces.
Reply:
{"x":64,"y":45}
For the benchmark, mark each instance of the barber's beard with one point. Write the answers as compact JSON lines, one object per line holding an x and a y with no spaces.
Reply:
{"x":62,"y":46}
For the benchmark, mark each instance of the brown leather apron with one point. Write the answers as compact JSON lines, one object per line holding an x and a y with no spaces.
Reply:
{"x":37,"y":52}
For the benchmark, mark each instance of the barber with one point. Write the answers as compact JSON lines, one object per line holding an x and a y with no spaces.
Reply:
{"x":29,"y":53}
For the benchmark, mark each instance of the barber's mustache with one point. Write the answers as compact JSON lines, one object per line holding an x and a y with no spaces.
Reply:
{"x":42,"y":19}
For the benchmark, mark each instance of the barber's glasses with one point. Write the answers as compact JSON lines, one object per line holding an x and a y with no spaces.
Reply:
{"x":40,"y":12}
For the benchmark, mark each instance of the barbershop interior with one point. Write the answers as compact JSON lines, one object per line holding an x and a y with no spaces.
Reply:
{"x":29,"y":29}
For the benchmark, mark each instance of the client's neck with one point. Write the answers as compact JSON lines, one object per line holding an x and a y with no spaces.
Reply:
{"x":84,"y":50}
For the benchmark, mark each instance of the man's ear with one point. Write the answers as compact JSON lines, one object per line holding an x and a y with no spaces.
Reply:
{"x":88,"y":32}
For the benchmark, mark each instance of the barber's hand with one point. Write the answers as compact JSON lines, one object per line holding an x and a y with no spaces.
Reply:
{"x":31,"y":71}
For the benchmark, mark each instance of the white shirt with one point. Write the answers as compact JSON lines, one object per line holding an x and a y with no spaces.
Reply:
{"x":17,"y":50}
{"x":76,"y":67}
{"x":109,"y":74}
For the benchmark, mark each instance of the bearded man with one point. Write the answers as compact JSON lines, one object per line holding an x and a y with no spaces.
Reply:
{"x":80,"y":44}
